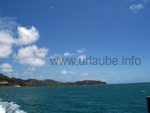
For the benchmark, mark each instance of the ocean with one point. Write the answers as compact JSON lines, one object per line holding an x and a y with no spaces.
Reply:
{"x":121,"y":98}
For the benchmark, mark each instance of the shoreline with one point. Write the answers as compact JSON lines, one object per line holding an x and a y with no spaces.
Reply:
{"x":50,"y":86}
{"x":18,"y":86}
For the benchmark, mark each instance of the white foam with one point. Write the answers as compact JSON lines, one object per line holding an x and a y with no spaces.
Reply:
{"x":2,"y":110}
{"x":10,"y":107}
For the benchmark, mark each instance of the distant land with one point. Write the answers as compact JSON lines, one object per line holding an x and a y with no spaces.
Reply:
{"x":16,"y":82}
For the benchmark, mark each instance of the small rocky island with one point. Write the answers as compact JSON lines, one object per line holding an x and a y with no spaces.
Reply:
{"x":15,"y":82}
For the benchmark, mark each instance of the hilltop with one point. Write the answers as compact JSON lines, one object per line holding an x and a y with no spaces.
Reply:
{"x":16,"y":82}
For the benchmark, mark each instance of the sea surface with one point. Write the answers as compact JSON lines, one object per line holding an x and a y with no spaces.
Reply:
{"x":123,"y":98}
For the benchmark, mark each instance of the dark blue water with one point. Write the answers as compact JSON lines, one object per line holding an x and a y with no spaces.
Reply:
{"x":125,"y":98}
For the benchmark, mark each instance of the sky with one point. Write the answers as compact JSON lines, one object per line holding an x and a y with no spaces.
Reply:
{"x":32,"y":32}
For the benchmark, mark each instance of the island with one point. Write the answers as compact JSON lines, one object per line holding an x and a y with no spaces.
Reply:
{"x":16,"y":82}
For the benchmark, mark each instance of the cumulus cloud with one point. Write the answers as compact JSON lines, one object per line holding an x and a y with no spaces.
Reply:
{"x":6,"y":67}
{"x":27,"y":36}
{"x":81,"y":50}
{"x":31,"y":55}
{"x":68,"y":54}
{"x":7,"y":40}
{"x":5,"y":50}
{"x":9,"y":36}
{"x":134,"y":8}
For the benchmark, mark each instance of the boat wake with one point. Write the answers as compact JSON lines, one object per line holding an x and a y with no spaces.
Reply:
{"x":10,"y":107}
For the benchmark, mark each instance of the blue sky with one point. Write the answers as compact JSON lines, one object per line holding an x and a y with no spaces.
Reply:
{"x":32,"y":31}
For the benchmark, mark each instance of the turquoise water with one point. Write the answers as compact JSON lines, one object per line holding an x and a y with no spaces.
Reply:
{"x":125,"y":98}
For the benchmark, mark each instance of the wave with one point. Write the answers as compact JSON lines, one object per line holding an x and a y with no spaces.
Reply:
{"x":10,"y":107}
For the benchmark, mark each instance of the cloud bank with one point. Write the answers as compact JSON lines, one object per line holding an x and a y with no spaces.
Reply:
{"x":29,"y":55}
{"x":6,"y":67}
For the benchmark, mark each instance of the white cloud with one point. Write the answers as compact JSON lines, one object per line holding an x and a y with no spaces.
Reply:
{"x":5,"y":50}
{"x":134,"y":8}
{"x":6,"y":41}
{"x":31,"y":55}
{"x":81,"y":50}
{"x":27,"y":36}
{"x":7,"y":70}
{"x":64,"y":72}
{"x":82,"y":57}
{"x":86,"y":74}
{"x":68,"y":54}
{"x":6,"y":67}
{"x":6,"y":37}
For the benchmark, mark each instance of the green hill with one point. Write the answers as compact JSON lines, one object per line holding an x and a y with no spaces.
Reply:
{"x":46,"y":82}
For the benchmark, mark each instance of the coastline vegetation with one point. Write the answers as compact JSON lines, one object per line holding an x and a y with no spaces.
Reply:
{"x":16,"y":82}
